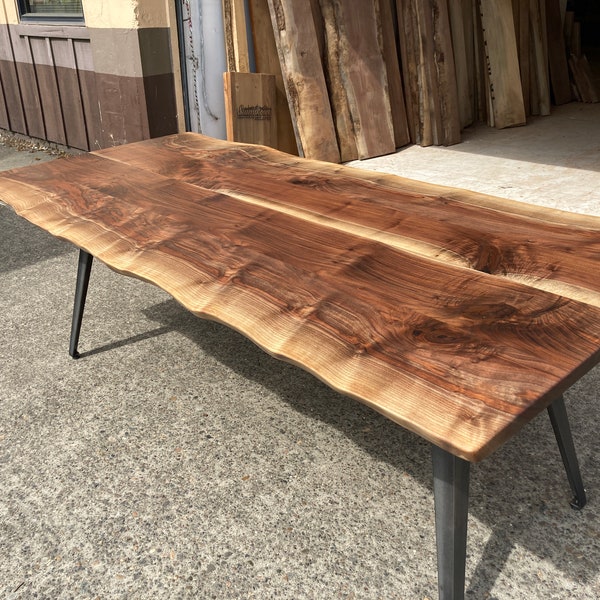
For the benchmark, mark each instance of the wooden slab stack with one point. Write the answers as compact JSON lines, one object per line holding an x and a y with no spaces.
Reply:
{"x":429,"y":73}
{"x":362,"y":79}
{"x":296,"y":40}
{"x":354,"y":60}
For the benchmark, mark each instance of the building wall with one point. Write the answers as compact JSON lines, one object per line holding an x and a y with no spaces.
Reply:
{"x":108,"y":82}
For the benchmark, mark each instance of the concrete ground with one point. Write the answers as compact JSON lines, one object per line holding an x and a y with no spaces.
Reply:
{"x":176,"y":460}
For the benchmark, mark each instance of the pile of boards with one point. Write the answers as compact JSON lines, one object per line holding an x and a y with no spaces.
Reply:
{"x":352,"y":79}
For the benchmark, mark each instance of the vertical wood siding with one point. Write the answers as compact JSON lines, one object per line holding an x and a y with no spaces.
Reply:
{"x":48,"y":85}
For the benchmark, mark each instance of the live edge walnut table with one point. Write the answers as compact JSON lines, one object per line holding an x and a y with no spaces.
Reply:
{"x":456,"y":315}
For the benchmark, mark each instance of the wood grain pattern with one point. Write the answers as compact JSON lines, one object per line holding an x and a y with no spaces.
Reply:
{"x":462,"y":45}
{"x":449,"y":127}
{"x":236,"y":41}
{"x":335,"y":85}
{"x":428,"y":68}
{"x":539,"y":82}
{"x":478,"y":232}
{"x":300,"y":60}
{"x":331,"y":268}
{"x":521,"y":15}
{"x":387,"y":16}
{"x":505,"y":91}
{"x":355,"y":63}
{"x":409,"y":52}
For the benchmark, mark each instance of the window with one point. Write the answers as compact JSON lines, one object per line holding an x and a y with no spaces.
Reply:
{"x":54,"y":10}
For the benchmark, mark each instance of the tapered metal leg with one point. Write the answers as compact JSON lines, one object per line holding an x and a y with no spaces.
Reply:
{"x":451,"y":497}
{"x":83,"y":278}
{"x":562,"y":431}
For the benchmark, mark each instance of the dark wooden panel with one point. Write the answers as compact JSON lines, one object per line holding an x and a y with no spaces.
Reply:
{"x":89,"y":94}
{"x":557,"y":54}
{"x":388,"y":19}
{"x":12,"y":97}
{"x":69,"y":93}
{"x":161,"y":105}
{"x":32,"y":105}
{"x":48,"y":89}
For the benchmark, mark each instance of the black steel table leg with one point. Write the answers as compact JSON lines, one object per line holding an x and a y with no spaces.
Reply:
{"x":451,"y":497}
{"x":83,"y":278}
{"x":562,"y":431}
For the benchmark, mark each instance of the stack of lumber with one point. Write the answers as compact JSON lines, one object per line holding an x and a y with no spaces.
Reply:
{"x":355,"y":80}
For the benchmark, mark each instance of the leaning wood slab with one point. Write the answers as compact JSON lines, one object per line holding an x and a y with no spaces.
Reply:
{"x":458,"y":316}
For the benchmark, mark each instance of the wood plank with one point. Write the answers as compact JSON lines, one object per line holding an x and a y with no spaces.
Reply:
{"x":315,"y":7}
{"x":387,"y":15}
{"x":583,"y":78}
{"x":462,"y":45}
{"x":267,"y":61}
{"x":428,"y":68}
{"x":250,"y":108}
{"x":568,"y":29}
{"x":503,"y":63}
{"x":336,"y":86}
{"x":15,"y":118}
{"x":461,"y":357}
{"x":32,"y":106}
{"x":236,"y":39}
{"x":306,"y":90}
{"x":557,"y":54}
{"x":445,"y":82}
{"x":576,"y":39}
{"x":469,"y":25}
{"x":540,"y":59}
{"x":356,"y":53}
{"x":429,"y":100}
{"x":12,"y":97}
{"x":481,"y":77}
{"x":409,"y":56}
{"x":521,"y":15}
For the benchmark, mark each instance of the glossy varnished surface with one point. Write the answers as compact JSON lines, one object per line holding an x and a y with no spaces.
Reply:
{"x":456,"y":315}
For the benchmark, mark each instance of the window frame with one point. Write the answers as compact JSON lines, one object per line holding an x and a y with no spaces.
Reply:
{"x":49,"y":18}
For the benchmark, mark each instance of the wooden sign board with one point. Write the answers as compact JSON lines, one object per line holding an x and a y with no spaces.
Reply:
{"x":250,"y":108}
